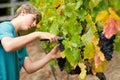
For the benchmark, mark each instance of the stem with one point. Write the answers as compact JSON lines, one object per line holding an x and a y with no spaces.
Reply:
{"x":67,"y":76}
{"x":53,"y":71}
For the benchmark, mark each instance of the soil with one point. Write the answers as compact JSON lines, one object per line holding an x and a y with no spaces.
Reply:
{"x":36,"y":52}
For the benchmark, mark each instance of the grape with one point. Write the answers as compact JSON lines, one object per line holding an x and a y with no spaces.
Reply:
{"x":101,"y":76}
{"x":61,"y":47}
{"x":75,"y":71}
{"x":106,"y":46}
{"x":61,"y":63}
{"x":60,"y":39}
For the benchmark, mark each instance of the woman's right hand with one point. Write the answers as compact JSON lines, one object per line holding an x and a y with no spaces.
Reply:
{"x":55,"y":52}
{"x":47,"y":36}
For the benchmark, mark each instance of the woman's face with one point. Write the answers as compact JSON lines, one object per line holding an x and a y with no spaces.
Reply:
{"x":29,"y":21}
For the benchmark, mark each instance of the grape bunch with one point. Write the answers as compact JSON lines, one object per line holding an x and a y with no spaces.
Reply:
{"x":106,"y":46}
{"x":60,"y":39}
{"x":61,"y":61}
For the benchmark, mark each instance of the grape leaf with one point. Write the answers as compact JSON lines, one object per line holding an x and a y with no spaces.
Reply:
{"x":83,"y":71}
{"x":54,"y":28}
{"x":116,"y":4}
{"x":70,"y":57}
{"x":111,"y":28}
{"x":93,"y":3}
{"x":89,"y":51}
{"x":117,"y":44}
{"x":97,"y":60}
{"x":99,"y":56}
{"x":111,"y":22}
{"x":103,"y":16}
{"x":101,"y":68}
{"x":78,"y":4}
{"x":113,"y":14}
{"x":86,"y":38}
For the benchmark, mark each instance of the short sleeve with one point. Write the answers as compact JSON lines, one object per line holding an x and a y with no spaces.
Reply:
{"x":6,"y":30}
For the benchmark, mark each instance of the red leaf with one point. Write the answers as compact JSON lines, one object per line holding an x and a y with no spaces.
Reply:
{"x":112,"y":28}
{"x":97,"y":60}
{"x":118,"y":25}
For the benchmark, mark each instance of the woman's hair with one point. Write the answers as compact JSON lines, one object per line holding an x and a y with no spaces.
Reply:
{"x":30,"y":10}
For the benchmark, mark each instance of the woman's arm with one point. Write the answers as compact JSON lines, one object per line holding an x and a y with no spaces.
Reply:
{"x":12,"y":44}
{"x":32,"y":67}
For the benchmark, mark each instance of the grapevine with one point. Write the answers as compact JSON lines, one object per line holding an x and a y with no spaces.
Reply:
{"x":90,"y":29}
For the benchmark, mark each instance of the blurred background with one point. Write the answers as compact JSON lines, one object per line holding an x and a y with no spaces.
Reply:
{"x":8,"y":7}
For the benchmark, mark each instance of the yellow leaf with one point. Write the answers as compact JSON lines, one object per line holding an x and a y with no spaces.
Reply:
{"x":89,"y":51}
{"x":42,"y":5}
{"x":103,"y":16}
{"x":100,"y":54}
{"x":83,"y":71}
{"x":102,"y":67}
{"x":95,"y":40}
{"x":113,"y":14}
{"x":97,"y":60}
{"x":62,"y":54}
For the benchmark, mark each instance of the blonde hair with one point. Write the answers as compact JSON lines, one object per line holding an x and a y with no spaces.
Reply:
{"x":30,"y":10}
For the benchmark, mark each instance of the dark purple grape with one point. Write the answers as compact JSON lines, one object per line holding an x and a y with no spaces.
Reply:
{"x":60,"y":39}
{"x":76,"y":70}
{"x":101,"y":76}
{"x":62,"y":47}
{"x":106,"y":46}
{"x":61,"y":63}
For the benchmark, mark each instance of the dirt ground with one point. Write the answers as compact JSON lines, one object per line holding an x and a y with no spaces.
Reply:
{"x":36,"y":52}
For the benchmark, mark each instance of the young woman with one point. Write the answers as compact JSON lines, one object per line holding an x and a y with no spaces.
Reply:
{"x":13,"y":54}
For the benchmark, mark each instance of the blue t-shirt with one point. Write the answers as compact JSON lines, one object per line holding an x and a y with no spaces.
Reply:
{"x":10,"y":62}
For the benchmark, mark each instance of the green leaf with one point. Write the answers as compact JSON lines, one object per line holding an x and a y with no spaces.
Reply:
{"x":78,"y":4}
{"x":69,"y":56}
{"x":89,"y":51}
{"x":76,"y":40}
{"x":72,"y":53}
{"x":93,"y":3}
{"x":54,"y":28}
{"x":82,"y":13}
{"x":86,"y":4}
{"x":117,"y":44}
{"x":69,"y":9}
{"x":86,"y":38}
{"x":115,"y":4}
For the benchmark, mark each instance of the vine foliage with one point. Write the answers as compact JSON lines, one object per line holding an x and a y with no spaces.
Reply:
{"x":79,"y":22}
